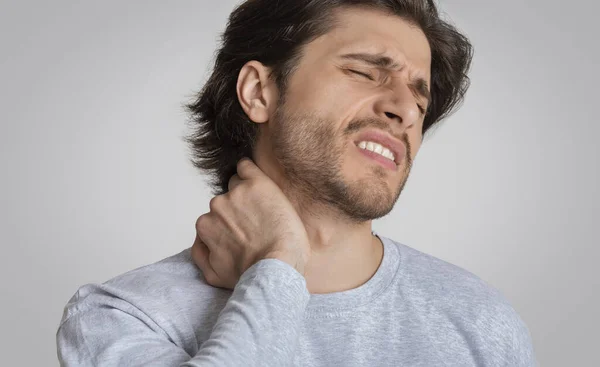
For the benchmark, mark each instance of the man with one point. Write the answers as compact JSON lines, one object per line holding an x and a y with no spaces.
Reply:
{"x":309,"y":125}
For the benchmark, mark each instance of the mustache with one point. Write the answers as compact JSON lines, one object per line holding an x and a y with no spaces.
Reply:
{"x":357,"y":125}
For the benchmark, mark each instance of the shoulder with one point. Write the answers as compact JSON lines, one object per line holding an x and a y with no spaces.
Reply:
{"x":157,"y":292}
{"x":436,"y":280}
{"x":479,"y":311}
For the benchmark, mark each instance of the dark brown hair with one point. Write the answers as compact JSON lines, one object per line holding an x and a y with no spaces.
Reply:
{"x":273,"y":32}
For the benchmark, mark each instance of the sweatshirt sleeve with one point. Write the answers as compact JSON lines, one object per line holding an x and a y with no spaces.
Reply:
{"x":259,"y":326}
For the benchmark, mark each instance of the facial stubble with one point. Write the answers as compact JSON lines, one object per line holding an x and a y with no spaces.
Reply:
{"x":311,"y":155}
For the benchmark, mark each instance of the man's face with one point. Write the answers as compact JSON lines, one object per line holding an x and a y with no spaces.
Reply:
{"x":336,"y":96}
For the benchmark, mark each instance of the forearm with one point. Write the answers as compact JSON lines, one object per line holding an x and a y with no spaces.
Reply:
{"x":261,"y":322}
{"x":259,"y":325}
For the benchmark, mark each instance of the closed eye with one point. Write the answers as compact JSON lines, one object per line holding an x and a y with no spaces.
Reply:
{"x":368,"y":76}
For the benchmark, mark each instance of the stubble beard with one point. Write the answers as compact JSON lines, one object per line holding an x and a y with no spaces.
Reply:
{"x":311,"y":155}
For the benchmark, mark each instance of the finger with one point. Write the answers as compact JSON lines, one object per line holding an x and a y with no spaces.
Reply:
{"x":246,"y":169}
{"x":206,"y":226}
{"x":200,"y":255}
{"x":234,"y":181}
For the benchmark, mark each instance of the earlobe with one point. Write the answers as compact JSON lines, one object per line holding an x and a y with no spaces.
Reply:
{"x":254,"y":91}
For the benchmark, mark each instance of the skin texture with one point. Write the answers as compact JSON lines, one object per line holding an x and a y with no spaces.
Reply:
{"x":306,"y":145}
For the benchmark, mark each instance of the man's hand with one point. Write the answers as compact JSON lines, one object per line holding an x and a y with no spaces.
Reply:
{"x":251,"y":222}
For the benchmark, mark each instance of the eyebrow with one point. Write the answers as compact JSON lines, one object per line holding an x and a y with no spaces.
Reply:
{"x":419,"y":85}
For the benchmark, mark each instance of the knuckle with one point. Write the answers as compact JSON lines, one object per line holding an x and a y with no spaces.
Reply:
{"x":243,"y":164}
{"x":201,"y":223}
{"x":214,"y":203}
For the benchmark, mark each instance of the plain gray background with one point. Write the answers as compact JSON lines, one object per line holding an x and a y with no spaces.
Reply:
{"x":96,"y":181}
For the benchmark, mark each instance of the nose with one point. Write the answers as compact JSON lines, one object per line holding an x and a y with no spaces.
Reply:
{"x":398,"y":104}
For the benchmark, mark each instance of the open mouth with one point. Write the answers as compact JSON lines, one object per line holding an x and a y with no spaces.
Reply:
{"x":378,"y":153}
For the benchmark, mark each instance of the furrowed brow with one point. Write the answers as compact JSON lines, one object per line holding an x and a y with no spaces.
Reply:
{"x":419,"y":85}
{"x":379,"y":61}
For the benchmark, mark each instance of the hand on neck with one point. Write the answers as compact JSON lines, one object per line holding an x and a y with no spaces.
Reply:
{"x":344,"y":254}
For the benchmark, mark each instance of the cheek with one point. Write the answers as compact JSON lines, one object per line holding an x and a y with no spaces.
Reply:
{"x":325,"y":94}
{"x":415,"y":140}
{"x":342,"y":105}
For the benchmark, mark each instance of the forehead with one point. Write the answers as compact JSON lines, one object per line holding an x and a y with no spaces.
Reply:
{"x":367,"y":30}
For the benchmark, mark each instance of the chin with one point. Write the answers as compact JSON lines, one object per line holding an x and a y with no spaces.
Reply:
{"x":369,"y":199}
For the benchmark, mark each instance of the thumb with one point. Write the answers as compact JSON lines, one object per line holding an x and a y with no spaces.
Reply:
{"x":246,"y":168}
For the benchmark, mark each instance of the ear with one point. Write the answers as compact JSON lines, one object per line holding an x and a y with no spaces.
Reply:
{"x":256,"y":92}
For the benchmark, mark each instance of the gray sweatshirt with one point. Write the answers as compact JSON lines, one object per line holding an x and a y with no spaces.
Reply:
{"x":416,"y":310}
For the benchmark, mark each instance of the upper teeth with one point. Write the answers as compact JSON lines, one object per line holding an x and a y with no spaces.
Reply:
{"x":377,"y":148}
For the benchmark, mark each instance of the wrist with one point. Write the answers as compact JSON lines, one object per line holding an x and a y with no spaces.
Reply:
{"x":295,"y":260}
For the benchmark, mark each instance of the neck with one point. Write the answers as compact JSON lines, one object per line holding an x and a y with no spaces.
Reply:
{"x":344,"y":254}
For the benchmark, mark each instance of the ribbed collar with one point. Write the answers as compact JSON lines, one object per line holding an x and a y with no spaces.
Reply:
{"x":338,"y":302}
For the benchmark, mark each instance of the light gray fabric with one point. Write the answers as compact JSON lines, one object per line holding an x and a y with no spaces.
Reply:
{"x":416,"y":310}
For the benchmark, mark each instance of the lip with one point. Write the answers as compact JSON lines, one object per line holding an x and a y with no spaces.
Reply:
{"x":379,"y":159}
{"x":383,"y":138}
